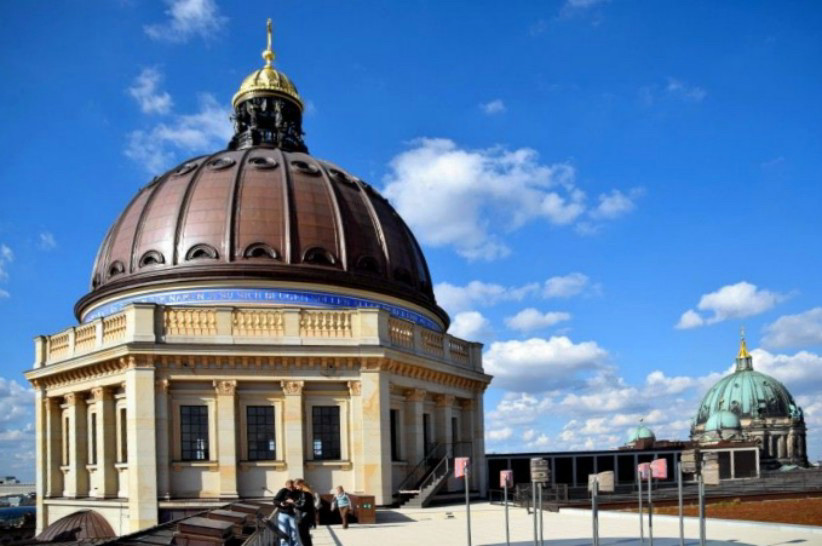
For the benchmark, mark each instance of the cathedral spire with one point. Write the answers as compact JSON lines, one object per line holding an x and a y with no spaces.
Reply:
{"x":744,"y":361}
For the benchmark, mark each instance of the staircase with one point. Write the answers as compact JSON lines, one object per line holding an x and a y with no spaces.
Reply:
{"x":429,"y":487}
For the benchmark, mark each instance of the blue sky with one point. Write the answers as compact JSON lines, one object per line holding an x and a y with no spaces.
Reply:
{"x":581,"y":173}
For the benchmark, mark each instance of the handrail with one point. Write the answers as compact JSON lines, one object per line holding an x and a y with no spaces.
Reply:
{"x":422,"y":468}
{"x":433,"y":476}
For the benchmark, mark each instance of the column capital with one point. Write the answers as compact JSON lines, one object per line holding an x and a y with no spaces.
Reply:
{"x":466,"y":403}
{"x":293,"y":388}
{"x":72,"y":398}
{"x":225,"y":388}
{"x":444,"y":400}
{"x":354,"y":388}
{"x":100,"y":393}
{"x":162,"y":385}
{"x":415,"y":395}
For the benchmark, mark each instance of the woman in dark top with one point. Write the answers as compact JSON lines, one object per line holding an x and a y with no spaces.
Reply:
{"x":286,"y":501}
{"x":306,"y":511}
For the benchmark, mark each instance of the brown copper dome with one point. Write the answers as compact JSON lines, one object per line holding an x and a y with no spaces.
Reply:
{"x":261,"y":213}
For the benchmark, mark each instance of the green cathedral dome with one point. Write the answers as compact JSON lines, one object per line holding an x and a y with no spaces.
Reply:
{"x":640,"y":433}
{"x":746,"y":393}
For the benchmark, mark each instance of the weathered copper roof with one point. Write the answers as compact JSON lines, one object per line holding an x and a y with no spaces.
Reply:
{"x":261,"y":214}
{"x":82,"y":525}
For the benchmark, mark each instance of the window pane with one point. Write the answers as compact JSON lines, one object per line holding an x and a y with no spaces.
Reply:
{"x":262,"y":444}
{"x":325,"y":422}
{"x":194,"y":437}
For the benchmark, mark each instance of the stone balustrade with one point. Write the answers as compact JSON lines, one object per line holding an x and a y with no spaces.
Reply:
{"x":150,"y":323}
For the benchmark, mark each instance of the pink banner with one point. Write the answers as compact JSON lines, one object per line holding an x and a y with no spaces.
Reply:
{"x":460,"y":466}
{"x":659,"y":469}
{"x":506,"y":478}
{"x":644,"y":470}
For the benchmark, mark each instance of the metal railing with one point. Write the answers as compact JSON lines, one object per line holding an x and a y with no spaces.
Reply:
{"x":439,"y":472}
{"x":411,"y":482}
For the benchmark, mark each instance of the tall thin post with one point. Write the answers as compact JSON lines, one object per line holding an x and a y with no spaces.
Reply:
{"x":595,"y":511}
{"x":534,"y":504}
{"x":701,"y":494}
{"x":650,"y":509}
{"x":679,"y":493}
{"x":507,"y":531}
{"x":467,"y":506}
{"x":541,"y":524}
{"x":639,"y":494}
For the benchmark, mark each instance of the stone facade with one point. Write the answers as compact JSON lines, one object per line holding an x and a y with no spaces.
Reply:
{"x":109,"y":396}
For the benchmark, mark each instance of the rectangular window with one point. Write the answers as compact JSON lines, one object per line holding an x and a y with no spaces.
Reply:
{"x":325,"y":425}
{"x":123,"y":437}
{"x":260,"y":433}
{"x":395,"y":435}
{"x":194,"y":433}
{"x":92,"y":454}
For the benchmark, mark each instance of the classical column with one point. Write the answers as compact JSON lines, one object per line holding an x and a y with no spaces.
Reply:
{"x":54,"y":448}
{"x":142,"y":445}
{"x":163,"y":444}
{"x":414,"y":437}
{"x":442,"y":420}
{"x":478,"y":444}
{"x":376,"y":430}
{"x":791,"y":445}
{"x":106,"y":475}
{"x":781,"y":446}
{"x":41,"y":453}
{"x":77,"y":477}
{"x":293,"y":427}
{"x":227,"y":437}
{"x":357,"y":441}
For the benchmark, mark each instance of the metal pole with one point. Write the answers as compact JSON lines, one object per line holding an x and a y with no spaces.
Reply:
{"x":679,"y":491}
{"x":701,"y":494}
{"x":507,"y":532}
{"x":650,"y":510}
{"x":541,"y":525}
{"x":534,"y":504}
{"x":595,"y":511}
{"x":641,"y":523}
{"x":468,"y":507}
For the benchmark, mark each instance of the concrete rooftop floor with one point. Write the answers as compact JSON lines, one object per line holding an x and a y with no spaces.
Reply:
{"x":434,"y":527}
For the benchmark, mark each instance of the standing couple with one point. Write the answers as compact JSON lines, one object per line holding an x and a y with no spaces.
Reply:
{"x":298,"y":510}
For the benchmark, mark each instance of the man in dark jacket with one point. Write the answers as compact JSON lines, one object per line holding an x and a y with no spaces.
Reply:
{"x":285,"y":501}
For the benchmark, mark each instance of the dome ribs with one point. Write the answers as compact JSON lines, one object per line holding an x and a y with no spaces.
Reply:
{"x":289,"y":219}
{"x":138,"y":232}
{"x":231,"y":209}
{"x":260,"y":207}
{"x":339,"y":233}
{"x":121,"y":242}
{"x":183,"y":212}
{"x":377,"y":226}
{"x":313,"y":212}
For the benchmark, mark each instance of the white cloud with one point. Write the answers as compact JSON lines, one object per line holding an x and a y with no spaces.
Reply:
{"x":518,"y":409}
{"x":470,"y":325}
{"x":499,"y":434}
{"x":493,"y":107}
{"x":801,"y":372}
{"x":739,"y":300}
{"x":565,"y":286}
{"x":615,"y":204}
{"x":798,"y":330}
{"x":145,"y":91}
{"x":157,"y":148}
{"x":6,"y":257}
{"x":455,"y":299}
{"x":530,"y":319}
{"x":538,"y":364}
{"x":481,"y":194}
{"x":47,"y":241}
{"x":682,"y":90}
{"x":188,"y":18}
{"x":584,"y":4}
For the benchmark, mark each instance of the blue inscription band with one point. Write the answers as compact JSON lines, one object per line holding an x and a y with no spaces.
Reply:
{"x":326,"y":300}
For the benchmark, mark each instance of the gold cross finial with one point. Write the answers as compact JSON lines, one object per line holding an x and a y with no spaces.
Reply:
{"x":268,"y":55}
{"x":743,"y":347}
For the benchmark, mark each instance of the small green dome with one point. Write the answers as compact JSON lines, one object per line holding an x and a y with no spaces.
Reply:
{"x":723,"y":420}
{"x":748,"y":393}
{"x":640,"y":433}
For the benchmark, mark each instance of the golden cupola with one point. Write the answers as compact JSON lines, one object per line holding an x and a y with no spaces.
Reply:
{"x":267,"y":81}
